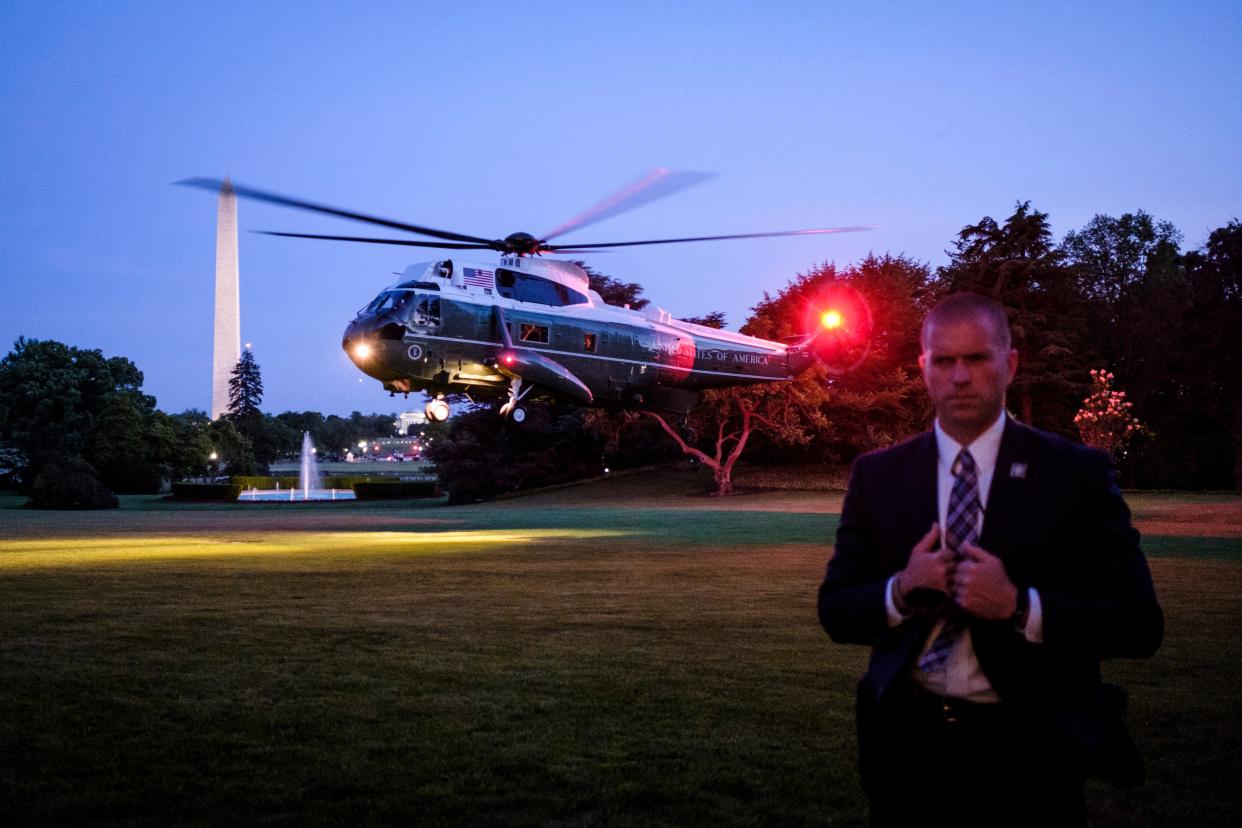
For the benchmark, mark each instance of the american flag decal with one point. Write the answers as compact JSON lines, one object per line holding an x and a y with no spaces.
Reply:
{"x":478,"y":278}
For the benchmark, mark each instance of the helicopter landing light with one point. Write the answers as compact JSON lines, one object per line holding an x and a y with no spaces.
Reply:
{"x":831,"y":319}
{"x":362,"y":350}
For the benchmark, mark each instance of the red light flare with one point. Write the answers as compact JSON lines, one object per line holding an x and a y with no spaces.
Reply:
{"x":838,"y":313}
{"x":840,"y":319}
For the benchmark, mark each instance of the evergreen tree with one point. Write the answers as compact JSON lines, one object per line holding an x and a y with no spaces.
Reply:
{"x":245,"y":387}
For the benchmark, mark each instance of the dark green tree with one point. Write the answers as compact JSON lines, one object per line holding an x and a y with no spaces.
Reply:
{"x":188,"y":451}
{"x":51,"y":396}
{"x":880,"y":400}
{"x":1018,"y":264}
{"x":234,"y":452}
{"x":1130,"y":271}
{"x":51,"y":393}
{"x":70,"y":483}
{"x":485,"y":455}
{"x":268,"y":438}
{"x":125,"y":447}
{"x":245,"y":386}
{"x":1114,"y":257}
{"x":715,"y":319}
{"x":1210,"y":391}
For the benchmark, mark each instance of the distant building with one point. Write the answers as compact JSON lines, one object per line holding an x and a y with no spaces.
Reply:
{"x":408,"y":419}
{"x":389,"y":448}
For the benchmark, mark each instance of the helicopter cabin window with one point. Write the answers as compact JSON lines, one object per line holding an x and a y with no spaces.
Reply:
{"x":526,"y":287}
{"x":588,"y":343}
{"x":534,"y":333}
{"x":427,"y":311}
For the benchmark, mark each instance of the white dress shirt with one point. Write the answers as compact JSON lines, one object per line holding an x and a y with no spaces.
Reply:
{"x":961,"y":676}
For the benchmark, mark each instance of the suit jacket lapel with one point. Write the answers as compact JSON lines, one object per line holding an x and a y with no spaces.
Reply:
{"x":1009,"y":481}
{"x":923,"y":487}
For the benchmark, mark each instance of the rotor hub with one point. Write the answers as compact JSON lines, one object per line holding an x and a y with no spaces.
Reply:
{"x":523,"y":244}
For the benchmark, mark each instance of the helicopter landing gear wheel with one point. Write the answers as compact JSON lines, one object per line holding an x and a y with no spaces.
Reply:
{"x":437,"y":410}
{"x":511,"y":408}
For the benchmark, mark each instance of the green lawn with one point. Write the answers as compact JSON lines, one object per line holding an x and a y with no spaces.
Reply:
{"x":625,"y":654}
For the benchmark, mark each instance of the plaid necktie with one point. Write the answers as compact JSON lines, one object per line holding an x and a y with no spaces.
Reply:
{"x":961,"y":527}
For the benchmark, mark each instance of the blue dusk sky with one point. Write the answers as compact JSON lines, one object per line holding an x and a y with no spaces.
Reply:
{"x":486,"y":118}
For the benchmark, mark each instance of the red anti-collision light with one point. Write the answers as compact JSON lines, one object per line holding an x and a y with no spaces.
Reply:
{"x":831,"y":319}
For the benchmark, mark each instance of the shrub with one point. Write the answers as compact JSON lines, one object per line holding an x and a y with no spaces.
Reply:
{"x":226,"y":492}
{"x":485,"y":455}
{"x":394,"y":489}
{"x":70,"y":484}
{"x":263,"y":481}
{"x":136,"y":477}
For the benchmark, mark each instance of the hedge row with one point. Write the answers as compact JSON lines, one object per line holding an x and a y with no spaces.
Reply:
{"x":206,"y":491}
{"x":363,"y":489}
{"x":394,"y":489}
{"x":331,"y":481}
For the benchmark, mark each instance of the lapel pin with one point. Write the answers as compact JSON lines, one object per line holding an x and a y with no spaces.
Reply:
{"x":1018,"y":470}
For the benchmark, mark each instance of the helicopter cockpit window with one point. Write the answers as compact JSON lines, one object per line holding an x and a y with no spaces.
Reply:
{"x":427,"y":311}
{"x":391,"y":300}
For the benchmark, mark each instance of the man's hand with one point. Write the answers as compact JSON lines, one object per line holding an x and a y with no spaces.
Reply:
{"x":928,"y":568}
{"x":981,"y":586}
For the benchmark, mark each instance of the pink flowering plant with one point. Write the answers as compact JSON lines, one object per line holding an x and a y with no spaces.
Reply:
{"x":1105,"y":420}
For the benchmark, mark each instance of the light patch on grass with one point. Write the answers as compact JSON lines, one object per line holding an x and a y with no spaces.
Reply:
{"x":67,"y":552}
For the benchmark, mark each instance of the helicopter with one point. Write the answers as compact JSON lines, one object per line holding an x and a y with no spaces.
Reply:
{"x":529,"y":327}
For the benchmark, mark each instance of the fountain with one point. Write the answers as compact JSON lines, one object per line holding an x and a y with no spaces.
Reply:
{"x":308,"y":476}
{"x":309,"y":483}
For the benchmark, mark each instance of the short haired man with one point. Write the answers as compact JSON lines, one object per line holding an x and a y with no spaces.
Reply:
{"x":990,"y":567}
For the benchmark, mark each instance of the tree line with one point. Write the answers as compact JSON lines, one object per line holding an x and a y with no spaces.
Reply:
{"x":1117,"y":302}
{"x":80,"y":421}
{"x":1159,"y":327}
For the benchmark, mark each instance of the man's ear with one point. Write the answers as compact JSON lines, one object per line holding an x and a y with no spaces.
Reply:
{"x":1013,"y":363}
{"x":922,"y":362}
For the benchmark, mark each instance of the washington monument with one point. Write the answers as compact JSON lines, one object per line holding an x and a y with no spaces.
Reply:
{"x":226,"y":348}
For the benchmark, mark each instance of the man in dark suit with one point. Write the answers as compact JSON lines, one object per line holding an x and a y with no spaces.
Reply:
{"x":990,"y":567}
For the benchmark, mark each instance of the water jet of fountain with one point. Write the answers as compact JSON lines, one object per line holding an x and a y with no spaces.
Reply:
{"x":308,"y":477}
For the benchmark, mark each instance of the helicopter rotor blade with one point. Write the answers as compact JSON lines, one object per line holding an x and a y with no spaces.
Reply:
{"x":403,"y":242}
{"x":581,"y":248}
{"x":285,"y":201}
{"x":655,"y":184}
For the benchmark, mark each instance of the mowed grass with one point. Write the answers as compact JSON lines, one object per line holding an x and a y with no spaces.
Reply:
{"x":626,"y":654}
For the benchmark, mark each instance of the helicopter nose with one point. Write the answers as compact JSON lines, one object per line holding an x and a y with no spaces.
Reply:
{"x":354,"y":332}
